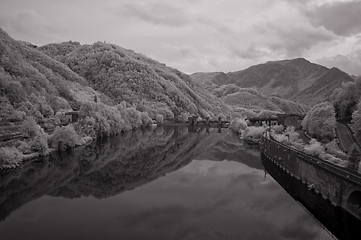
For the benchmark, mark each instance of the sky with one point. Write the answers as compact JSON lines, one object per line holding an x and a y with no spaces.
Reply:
{"x":199,"y":35}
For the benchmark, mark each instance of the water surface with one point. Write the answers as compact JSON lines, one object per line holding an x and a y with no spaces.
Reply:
{"x":165,"y":183}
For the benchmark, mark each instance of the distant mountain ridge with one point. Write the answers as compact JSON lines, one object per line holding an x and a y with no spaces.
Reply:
{"x":296,"y":79}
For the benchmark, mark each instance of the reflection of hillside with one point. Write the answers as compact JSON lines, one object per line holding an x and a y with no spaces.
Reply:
{"x":230,"y":147}
{"x":339,"y":222}
{"x":102,"y":169}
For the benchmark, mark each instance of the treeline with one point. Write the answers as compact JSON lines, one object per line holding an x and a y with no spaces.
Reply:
{"x":111,"y":89}
{"x":343,"y":105}
{"x":250,"y":100}
{"x":347,"y":103}
{"x":124,"y":75}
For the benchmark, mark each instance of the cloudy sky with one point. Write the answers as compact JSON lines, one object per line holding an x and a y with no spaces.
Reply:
{"x":199,"y":35}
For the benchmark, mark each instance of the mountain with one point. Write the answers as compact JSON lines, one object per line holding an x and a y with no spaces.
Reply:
{"x":34,"y":83}
{"x":124,"y":75}
{"x":297,"y":79}
{"x":64,"y":76}
{"x":113,"y":89}
{"x":251,"y":99}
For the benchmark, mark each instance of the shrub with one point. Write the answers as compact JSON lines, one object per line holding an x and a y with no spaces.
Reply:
{"x":24,"y":147}
{"x":320,"y":122}
{"x":146,"y":120}
{"x":134,"y":117}
{"x":86,"y":127}
{"x":278,"y":128}
{"x":356,"y":116}
{"x":17,"y":116}
{"x":238,"y":125}
{"x":6,"y":109}
{"x":64,"y":137}
{"x":159,"y":118}
{"x":281,"y":138}
{"x":10,"y":157}
{"x":40,"y":145}
{"x":253,"y":132}
{"x":314,"y":148}
{"x":292,"y":135}
{"x":183,"y":117}
{"x":31,"y":129}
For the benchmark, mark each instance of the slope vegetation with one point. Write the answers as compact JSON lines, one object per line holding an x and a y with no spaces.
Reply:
{"x":297,"y":79}
{"x":124,"y":75}
{"x":249,"y":98}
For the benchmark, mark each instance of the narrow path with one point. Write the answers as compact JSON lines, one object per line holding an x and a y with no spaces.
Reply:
{"x":345,"y":137}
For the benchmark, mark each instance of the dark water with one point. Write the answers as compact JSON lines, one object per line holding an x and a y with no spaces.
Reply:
{"x":166,"y":183}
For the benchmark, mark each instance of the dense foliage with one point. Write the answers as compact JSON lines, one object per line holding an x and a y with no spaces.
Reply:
{"x":63,"y":138}
{"x":295,"y":79}
{"x":124,"y":75}
{"x":320,"y":122}
{"x":356,"y":119}
{"x":113,"y":90}
{"x":250,"y":98}
{"x":345,"y":99}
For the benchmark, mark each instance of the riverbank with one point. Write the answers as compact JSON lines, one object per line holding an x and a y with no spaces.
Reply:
{"x":14,"y":153}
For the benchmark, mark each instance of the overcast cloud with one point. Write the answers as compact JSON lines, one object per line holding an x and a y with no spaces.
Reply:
{"x":199,"y":35}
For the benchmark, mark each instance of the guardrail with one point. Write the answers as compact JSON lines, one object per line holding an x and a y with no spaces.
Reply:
{"x":330,"y":167}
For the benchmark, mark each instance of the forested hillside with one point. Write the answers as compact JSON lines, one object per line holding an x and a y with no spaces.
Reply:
{"x":124,"y":75}
{"x":32,"y":83}
{"x":111,"y":89}
{"x":250,"y":98}
{"x":297,"y":80}
{"x":347,"y":102}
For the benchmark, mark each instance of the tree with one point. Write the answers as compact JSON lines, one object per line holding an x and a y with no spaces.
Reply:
{"x":159,"y":118}
{"x":356,"y":119}
{"x":354,"y":157}
{"x":345,"y":99}
{"x":320,"y":122}
{"x":64,"y":137}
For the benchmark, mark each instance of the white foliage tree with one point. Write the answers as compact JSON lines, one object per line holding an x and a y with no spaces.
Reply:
{"x":320,"y":122}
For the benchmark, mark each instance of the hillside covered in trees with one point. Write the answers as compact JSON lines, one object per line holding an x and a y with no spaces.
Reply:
{"x":347,"y":103}
{"x":124,"y":75}
{"x":111,"y":88}
{"x":296,"y":79}
{"x":252,"y":99}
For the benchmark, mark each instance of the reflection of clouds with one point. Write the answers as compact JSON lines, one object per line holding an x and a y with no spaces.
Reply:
{"x":222,"y":200}
{"x":212,"y":168}
{"x":300,"y":228}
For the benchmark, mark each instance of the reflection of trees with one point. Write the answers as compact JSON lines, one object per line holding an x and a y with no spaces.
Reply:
{"x":229,"y":146}
{"x":339,"y":222}
{"x":102,"y":169}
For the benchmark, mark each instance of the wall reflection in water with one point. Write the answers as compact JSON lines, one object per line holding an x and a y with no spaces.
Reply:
{"x":339,"y":222}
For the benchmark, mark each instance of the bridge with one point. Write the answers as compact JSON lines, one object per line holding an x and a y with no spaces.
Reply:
{"x":339,"y":185}
{"x":194,"y":121}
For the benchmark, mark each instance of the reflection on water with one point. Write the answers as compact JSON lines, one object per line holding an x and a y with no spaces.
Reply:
{"x":163,"y":183}
{"x":340,"y":223}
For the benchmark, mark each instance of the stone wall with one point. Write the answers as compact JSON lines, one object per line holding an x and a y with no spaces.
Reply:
{"x":331,"y":181}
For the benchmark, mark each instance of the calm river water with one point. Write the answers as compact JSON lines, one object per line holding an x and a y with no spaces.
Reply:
{"x":165,"y":183}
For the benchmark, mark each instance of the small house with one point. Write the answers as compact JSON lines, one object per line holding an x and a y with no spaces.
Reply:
{"x":72,"y":116}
